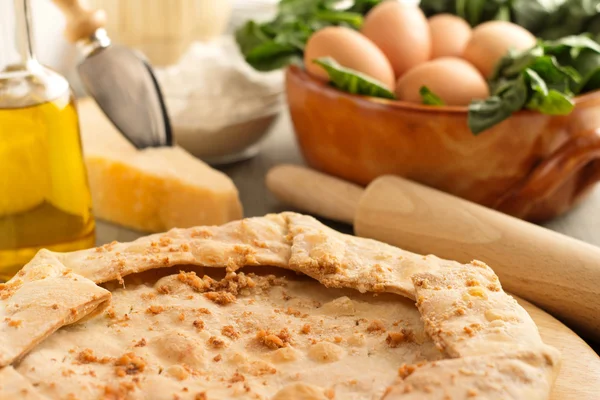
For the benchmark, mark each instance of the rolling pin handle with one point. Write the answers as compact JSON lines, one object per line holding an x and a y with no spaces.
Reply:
{"x":314,"y":192}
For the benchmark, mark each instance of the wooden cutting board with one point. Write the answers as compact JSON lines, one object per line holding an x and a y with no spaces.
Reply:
{"x":579,"y":377}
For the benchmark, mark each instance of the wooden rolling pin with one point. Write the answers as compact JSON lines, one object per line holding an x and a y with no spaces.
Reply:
{"x":556,"y":272}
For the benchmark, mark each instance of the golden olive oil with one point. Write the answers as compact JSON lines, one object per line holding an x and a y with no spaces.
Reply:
{"x":44,"y":196}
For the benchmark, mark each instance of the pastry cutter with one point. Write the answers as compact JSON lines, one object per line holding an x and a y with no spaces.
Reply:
{"x":558,"y":273}
{"x":119,"y":79}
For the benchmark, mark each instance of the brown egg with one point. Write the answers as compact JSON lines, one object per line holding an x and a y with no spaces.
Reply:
{"x":350,"y":49}
{"x":492,"y":40}
{"x":449,"y":35}
{"x":401,"y":32}
{"x":454,"y":80}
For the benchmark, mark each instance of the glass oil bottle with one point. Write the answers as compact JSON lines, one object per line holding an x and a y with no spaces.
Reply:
{"x":44,"y":196}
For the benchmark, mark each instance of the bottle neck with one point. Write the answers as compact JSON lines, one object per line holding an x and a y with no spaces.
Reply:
{"x":16,"y":36}
{"x":23,"y":81}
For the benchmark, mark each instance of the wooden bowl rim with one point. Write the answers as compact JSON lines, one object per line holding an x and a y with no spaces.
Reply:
{"x":304,"y":76}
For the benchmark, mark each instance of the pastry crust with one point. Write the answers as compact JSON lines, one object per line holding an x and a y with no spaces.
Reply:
{"x":467,"y":313}
{"x":338,"y":260}
{"x":252,"y":332}
{"x":14,"y":386}
{"x":248,"y":242}
{"x":39,"y":301}
{"x":300,"y":391}
{"x":493,"y":345}
{"x":513,"y":376}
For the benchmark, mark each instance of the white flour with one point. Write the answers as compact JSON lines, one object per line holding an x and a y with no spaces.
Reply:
{"x":212,"y":87}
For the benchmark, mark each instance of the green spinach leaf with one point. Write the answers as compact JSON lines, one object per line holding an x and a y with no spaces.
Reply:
{"x":547,"y":19}
{"x":350,"y":19}
{"x":484,"y":114}
{"x":250,"y":36}
{"x":430,"y":98}
{"x":273,"y":55}
{"x":593,"y":27}
{"x":553,"y":103}
{"x":592,"y":82}
{"x":572,"y":18}
{"x":588,"y":65}
{"x":433,"y":7}
{"x":574,"y":45}
{"x":554,"y":75}
{"x":279,"y":42}
{"x":364,"y":6}
{"x":535,"y":15}
{"x":544,"y":78}
{"x":545,"y":100}
{"x":473,"y":11}
{"x":352,"y":81}
{"x":478,"y":11}
{"x":514,"y":63}
{"x":582,"y":55}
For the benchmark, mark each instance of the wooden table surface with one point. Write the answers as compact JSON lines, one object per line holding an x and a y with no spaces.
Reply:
{"x":280,"y":147}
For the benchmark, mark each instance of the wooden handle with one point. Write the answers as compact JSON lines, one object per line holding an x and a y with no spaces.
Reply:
{"x":81,"y":21}
{"x":556,"y":272}
{"x":314,"y":192}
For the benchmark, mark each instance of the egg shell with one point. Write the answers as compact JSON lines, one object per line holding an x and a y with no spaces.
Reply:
{"x":350,"y":49}
{"x":454,"y":80}
{"x":401,"y":32}
{"x":449,"y":35}
{"x":492,"y":40}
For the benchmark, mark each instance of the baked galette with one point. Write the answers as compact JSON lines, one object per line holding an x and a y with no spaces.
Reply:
{"x":277,"y":307}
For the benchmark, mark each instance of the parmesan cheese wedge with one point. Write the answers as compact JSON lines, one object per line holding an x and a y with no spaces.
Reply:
{"x":151,"y":190}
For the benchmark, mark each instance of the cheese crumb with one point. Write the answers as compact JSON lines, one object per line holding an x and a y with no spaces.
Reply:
{"x":376,"y":327}
{"x":230,"y":332}
{"x":155,"y":310}
{"x":129,"y":364}
{"x":216,"y":343}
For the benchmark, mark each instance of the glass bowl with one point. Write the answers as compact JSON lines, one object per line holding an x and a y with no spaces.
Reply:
{"x":223,"y":130}
{"x":220,"y":107}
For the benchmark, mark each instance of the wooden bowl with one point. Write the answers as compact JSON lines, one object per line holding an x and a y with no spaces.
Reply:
{"x":532,"y":166}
